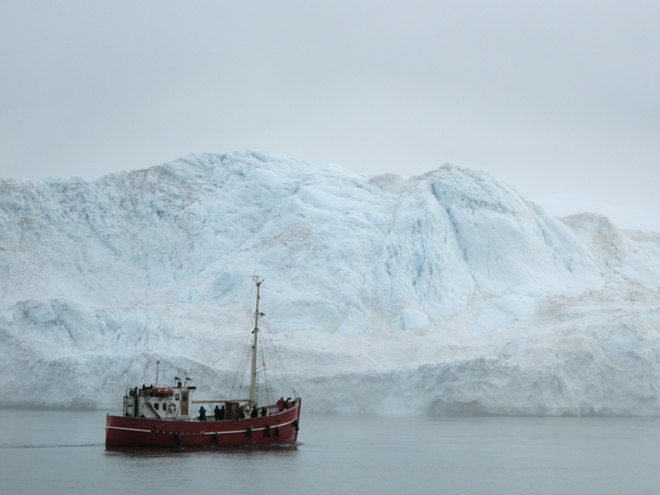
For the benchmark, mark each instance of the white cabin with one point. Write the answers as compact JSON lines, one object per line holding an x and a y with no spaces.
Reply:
{"x":159,"y":402}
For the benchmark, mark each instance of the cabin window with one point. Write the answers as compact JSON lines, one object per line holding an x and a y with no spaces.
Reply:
{"x":176,"y":396}
{"x":156,"y":406}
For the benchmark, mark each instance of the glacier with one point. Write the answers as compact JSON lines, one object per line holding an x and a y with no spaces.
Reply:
{"x":446,"y":293}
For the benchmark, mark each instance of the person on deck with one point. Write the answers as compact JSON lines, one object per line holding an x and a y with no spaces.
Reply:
{"x":202,"y":414}
{"x":255,"y":412}
{"x":280,"y":404}
{"x":216,"y":413}
{"x":263,"y":411}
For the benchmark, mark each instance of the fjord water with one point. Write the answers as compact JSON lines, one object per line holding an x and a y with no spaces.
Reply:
{"x":63,"y":452}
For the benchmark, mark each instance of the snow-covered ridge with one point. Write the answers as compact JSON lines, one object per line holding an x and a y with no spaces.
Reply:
{"x":446,"y":293}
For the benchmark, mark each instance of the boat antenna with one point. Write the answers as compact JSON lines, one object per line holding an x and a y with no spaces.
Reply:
{"x":157,"y":369}
{"x":257,"y":315}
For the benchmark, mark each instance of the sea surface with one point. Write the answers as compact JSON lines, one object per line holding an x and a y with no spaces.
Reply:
{"x":62,"y":452}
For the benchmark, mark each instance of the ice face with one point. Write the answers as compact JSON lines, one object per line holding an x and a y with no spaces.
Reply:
{"x":443,"y":294}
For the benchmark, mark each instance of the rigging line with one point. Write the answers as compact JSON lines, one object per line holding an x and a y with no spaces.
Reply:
{"x":238,"y":370}
{"x":263,"y":370}
{"x":286,"y":375}
{"x":214,"y":362}
{"x":243,"y":372}
{"x":282,"y":371}
{"x":145,"y":335}
{"x":268,"y":391}
{"x":278,"y":365}
{"x":263,"y":361}
{"x":242,"y":366}
{"x":238,"y":342}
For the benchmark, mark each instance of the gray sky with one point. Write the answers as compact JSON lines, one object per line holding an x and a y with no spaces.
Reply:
{"x":551,"y":97}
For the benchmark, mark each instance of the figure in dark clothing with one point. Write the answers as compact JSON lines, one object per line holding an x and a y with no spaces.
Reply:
{"x":280,"y":404}
{"x":263,"y":411}
{"x":254,"y":413}
{"x":202,"y":414}
{"x":222,"y":413}
{"x":241,"y":413}
{"x":216,"y":413}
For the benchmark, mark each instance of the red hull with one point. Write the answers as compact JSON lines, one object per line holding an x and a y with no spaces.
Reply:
{"x":276,"y":429}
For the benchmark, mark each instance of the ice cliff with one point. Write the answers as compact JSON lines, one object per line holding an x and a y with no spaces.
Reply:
{"x":447,"y":293}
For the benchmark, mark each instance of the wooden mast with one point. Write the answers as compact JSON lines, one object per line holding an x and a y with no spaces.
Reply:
{"x":253,"y":382}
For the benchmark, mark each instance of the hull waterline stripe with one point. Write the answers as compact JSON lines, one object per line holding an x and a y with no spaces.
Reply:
{"x":199,"y":433}
{"x":127,"y":429}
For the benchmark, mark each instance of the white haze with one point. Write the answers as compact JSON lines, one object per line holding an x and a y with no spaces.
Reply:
{"x":550,"y":97}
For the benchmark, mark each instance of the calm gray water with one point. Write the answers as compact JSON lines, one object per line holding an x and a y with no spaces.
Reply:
{"x":62,"y":452}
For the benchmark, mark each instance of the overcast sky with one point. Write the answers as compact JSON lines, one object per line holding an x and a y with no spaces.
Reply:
{"x":557,"y":98}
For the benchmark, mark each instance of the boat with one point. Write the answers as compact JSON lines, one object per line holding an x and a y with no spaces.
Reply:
{"x":165,"y":417}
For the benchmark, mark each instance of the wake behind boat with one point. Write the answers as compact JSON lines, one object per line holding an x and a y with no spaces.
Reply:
{"x":156,"y":416}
